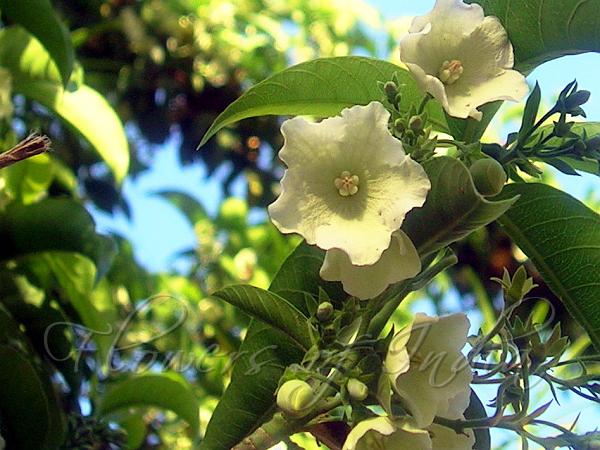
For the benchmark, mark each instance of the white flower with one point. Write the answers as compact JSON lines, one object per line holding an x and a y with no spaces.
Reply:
{"x":6,"y":106}
{"x":348,"y":183}
{"x":383,"y":433}
{"x":428,"y":370}
{"x":400,"y":261}
{"x":462,"y":58}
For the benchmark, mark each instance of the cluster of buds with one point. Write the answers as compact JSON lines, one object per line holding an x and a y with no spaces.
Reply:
{"x":410,"y":126}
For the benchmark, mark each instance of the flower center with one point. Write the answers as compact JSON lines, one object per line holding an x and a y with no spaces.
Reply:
{"x":450,"y":71}
{"x":346,"y":184}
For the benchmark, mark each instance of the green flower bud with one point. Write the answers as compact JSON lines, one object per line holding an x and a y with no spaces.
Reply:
{"x":295,"y":397}
{"x":416,"y":124}
{"x":399,"y":126}
{"x":325,"y":311}
{"x":391,"y":90}
{"x":357,"y":389}
{"x":489,"y":176}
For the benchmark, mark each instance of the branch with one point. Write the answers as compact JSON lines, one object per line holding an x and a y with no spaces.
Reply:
{"x":32,"y":145}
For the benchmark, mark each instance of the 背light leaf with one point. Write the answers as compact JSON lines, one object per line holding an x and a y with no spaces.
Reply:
{"x":264,"y":355}
{"x":271,"y":309}
{"x":323,"y":87}
{"x":163,"y":390}
{"x":542,"y":30}
{"x":453,"y":208}
{"x":35,"y":76}
{"x":562,"y":237}
{"x":38,"y":17}
{"x":88,"y":113}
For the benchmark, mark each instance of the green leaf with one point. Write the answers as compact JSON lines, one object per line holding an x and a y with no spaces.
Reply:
{"x":28,"y":181}
{"x":24,"y":405}
{"x":471,"y":130}
{"x":542,"y":30}
{"x":81,"y":107}
{"x":38,"y":17}
{"x":53,"y":224}
{"x":530,"y":113}
{"x":264,"y":355}
{"x":165,"y":390}
{"x":322,"y":87}
{"x":453,"y":209}
{"x":562,"y":237}
{"x":44,"y":324}
{"x":73,"y":275}
{"x":271,"y":309}
{"x":26,"y":392}
{"x":88,"y":113}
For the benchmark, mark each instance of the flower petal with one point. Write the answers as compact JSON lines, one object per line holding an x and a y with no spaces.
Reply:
{"x":438,"y":373}
{"x":399,"y":262}
{"x":389,"y":183}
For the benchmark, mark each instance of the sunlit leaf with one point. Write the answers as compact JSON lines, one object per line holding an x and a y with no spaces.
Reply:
{"x":38,"y":17}
{"x":165,"y":390}
{"x":81,"y":107}
{"x":562,"y":237}
{"x":271,"y":309}
{"x":322,"y":87}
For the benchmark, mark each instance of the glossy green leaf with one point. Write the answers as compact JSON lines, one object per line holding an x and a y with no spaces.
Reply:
{"x":88,"y":112}
{"x":271,"y":309}
{"x":38,"y":17}
{"x":264,"y":355}
{"x":28,"y":181}
{"x":453,"y":208}
{"x":81,"y":107}
{"x":322,"y":87}
{"x":542,"y":30}
{"x":53,"y":224}
{"x":562,"y":237}
{"x":168,"y":391}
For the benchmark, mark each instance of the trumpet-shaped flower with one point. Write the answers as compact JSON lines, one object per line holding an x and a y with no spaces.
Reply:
{"x":400,"y":261}
{"x":428,"y":370}
{"x":348,"y":183}
{"x":462,"y":58}
{"x":383,"y":433}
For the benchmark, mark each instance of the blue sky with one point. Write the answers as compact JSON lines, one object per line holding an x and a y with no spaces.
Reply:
{"x":158,"y":231}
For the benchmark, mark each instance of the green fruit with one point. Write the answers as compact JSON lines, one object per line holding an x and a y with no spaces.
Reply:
{"x":489,"y":176}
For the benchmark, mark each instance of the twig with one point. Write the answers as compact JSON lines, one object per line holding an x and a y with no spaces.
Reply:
{"x":32,"y":145}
